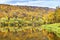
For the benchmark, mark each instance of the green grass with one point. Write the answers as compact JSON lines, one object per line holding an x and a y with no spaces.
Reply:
{"x":55,"y":28}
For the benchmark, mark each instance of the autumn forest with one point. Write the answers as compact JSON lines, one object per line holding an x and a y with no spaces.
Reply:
{"x":29,"y":23}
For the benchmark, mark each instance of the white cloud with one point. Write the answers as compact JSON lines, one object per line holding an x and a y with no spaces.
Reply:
{"x":38,"y":3}
{"x":51,"y":4}
{"x":4,"y":1}
{"x":19,"y":3}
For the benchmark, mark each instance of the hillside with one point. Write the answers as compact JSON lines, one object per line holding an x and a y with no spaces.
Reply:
{"x":23,"y":11}
{"x":30,"y":13}
{"x":29,"y":23}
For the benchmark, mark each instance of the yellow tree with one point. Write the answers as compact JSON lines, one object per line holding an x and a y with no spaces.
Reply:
{"x":57,"y":14}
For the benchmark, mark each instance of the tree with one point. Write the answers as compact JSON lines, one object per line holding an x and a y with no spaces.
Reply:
{"x":57,"y":14}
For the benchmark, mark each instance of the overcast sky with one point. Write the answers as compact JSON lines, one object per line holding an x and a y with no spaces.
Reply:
{"x":39,"y":3}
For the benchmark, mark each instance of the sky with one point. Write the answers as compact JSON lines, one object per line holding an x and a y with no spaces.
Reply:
{"x":39,"y":3}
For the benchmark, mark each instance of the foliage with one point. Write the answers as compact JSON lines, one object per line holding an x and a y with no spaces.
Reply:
{"x":55,"y":28}
{"x":28,"y":21}
{"x":57,"y":14}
